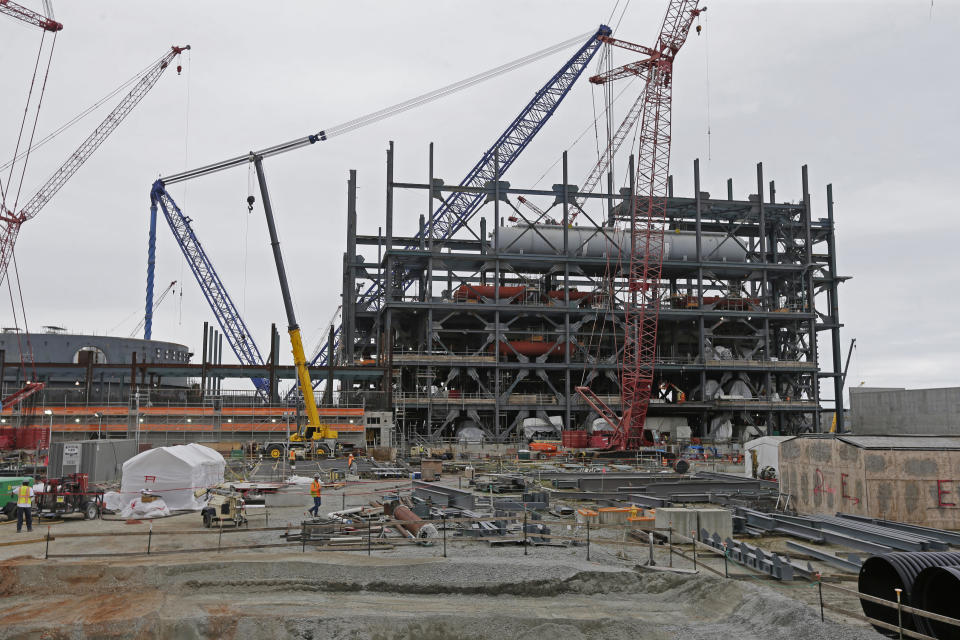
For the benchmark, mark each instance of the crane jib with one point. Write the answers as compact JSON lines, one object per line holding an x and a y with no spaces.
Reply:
{"x":457,"y":209}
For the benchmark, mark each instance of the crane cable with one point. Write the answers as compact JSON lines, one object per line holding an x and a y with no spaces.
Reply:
{"x":26,"y":111}
{"x":11,"y":224}
{"x":375,"y":116}
{"x":26,"y":326}
{"x":186,"y":163}
{"x":387,"y":112}
{"x":706,"y":56}
{"x":585,"y":131}
{"x":83,"y":114}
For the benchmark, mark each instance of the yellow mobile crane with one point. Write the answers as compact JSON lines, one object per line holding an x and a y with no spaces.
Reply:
{"x":313,"y":431}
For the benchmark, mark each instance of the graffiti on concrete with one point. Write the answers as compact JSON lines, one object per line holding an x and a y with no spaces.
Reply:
{"x":944,"y":493}
{"x":820,"y":485}
{"x":843,"y":489}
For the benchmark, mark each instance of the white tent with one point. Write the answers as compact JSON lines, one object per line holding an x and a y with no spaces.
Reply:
{"x":174,"y":473}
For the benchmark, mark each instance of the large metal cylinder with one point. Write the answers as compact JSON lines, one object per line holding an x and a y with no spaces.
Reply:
{"x":419,"y":530}
{"x":937,"y":590}
{"x":610,"y":243}
{"x":881,"y":575}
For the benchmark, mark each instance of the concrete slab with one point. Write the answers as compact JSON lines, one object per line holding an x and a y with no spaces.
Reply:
{"x":683,"y":520}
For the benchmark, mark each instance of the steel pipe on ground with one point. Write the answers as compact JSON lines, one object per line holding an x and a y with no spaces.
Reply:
{"x":881,"y":575}
{"x":937,"y":590}
{"x":421,"y":530}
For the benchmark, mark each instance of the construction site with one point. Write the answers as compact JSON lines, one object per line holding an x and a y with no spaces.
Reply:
{"x":607,"y":404}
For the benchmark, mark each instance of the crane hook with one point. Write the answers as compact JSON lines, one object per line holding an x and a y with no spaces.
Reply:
{"x":699,"y":29}
{"x":180,"y":66}
{"x":250,"y":201}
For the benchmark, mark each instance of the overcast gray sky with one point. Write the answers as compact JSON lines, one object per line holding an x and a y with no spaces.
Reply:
{"x":865,"y":93}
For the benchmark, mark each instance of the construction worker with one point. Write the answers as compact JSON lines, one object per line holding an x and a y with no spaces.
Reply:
{"x":24,"y":494}
{"x":350,"y":462}
{"x":293,"y":459}
{"x":315,"y":492}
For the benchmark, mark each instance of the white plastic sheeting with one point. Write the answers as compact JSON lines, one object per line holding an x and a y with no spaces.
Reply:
{"x":137,"y":508}
{"x":114,"y":501}
{"x":470,"y":434}
{"x":533,"y":426}
{"x":173,"y":473}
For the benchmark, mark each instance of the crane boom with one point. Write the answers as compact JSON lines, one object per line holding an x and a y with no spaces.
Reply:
{"x":314,"y":430}
{"x":226,"y":312}
{"x":10,"y":222}
{"x":238,"y":335}
{"x":648,"y":215}
{"x":613,"y":145}
{"x":457,"y":209}
{"x":28,"y":16}
{"x":376,"y":116}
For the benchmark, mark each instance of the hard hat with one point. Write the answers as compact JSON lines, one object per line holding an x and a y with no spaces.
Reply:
{"x":316,"y":475}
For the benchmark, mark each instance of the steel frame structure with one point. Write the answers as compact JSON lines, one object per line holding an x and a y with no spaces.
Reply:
{"x":739,"y":336}
{"x":459,"y":207}
{"x":449,"y":217}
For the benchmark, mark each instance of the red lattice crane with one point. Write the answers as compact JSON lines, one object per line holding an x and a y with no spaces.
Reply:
{"x":11,"y":221}
{"x":28,"y":16}
{"x":646,"y":223}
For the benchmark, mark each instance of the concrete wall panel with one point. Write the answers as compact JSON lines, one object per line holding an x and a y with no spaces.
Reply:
{"x":828,"y":475}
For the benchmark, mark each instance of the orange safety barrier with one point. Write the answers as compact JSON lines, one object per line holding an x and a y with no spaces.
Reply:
{"x":71,"y":411}
{"x":257,"y":411}
{"x":177,"y":411}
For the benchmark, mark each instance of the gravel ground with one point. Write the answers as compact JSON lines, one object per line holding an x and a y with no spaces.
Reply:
{"x":409,"y":592}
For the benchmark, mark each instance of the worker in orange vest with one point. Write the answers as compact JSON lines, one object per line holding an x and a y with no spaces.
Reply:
{"x":24,"y":494}
{"x":293,"y":459}
{"x":349,"y":462}
{"x":315,"y":492}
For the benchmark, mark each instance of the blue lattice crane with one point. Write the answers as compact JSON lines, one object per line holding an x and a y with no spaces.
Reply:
{"x":449,"y":217}
{"x":457,"y":209}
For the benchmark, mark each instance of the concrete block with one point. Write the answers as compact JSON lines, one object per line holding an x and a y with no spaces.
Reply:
{"x":685,"y":520}
{"x":682,"y":521}
{"x":715,"y":521}
{"x":614,"y":515}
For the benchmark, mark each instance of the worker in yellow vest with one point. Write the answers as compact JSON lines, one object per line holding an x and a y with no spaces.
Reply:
{"x":315,"y":492}
{"x":24,"y":494}
{"x":293,"y":460}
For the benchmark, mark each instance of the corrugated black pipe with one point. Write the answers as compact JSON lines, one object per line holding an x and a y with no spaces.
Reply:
{"x":937,"y":590}
{"x":880,"y":575}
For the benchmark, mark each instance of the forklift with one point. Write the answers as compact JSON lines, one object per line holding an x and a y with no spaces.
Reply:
{"x":67,"y":496}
